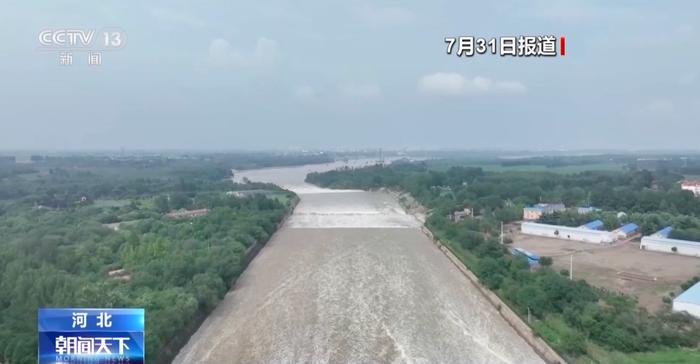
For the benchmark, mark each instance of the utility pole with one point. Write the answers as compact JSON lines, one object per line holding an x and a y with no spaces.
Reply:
{"x":501,"y":232}
{"x":528,"y":315}
{"x":571,"y":268}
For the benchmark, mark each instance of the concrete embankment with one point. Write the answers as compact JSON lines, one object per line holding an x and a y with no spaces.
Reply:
{"x":515,"y":321}
{"x":171,"y":349}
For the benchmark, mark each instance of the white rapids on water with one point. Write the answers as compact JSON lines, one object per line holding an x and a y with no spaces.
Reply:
{"x":350,"y":278}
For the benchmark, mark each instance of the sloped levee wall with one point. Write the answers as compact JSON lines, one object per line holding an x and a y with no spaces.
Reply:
{"x":172,"y":348}
{"x":254,"y":249}
{"x":536,"y":342}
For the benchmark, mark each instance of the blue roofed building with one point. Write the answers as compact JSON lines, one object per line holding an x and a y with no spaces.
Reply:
{"x":594,"y":225}
{"x":664,"y":232}
{"x":627,"y":230}
{"x":660,"y":242}
{"x":580,"y":233}
{"x":532,"y":259}
{"x":689,"y":301}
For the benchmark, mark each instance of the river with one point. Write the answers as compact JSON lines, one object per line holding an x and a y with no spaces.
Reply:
{"x":350,"y":278}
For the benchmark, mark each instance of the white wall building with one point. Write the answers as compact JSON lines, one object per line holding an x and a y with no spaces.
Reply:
{"x":689,"y":301}
{"x":460,"y":215}
{"x":568,"y":233}
{"x":535,"y":212}
{"x":692,"y":186}
{"x":659,"y":243}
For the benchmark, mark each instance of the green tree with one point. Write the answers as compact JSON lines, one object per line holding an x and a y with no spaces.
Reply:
{"x":161,"y":204}
{"x":545,"y":261}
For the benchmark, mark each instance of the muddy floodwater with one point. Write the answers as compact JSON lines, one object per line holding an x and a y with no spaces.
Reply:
{"x":350,"y":278}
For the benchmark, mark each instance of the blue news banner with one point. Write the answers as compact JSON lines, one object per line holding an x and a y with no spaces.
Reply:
{"x":91,"y":335}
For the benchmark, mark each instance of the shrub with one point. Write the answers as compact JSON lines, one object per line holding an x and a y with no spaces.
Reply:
{"x":573,"y":343}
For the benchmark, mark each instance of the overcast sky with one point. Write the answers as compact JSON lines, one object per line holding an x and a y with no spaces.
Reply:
{"x":311,"y":74}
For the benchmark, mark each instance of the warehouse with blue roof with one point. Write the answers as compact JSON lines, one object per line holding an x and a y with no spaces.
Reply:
{"x":689,"y":301}
{"x":627,"y":230}
{"x":532,"y":258}
{"x":581,"y":233}
{"x":664,"y":232}
{"x":594,"y":225}
{"x":660,"y":242}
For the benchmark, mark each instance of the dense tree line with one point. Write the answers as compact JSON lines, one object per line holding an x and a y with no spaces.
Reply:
{"x":12,"y":169}
{"x":178,"y":270}
{"x":171,"y":163}
{"x":53,"y":181}
{"x":607,"y":319}
{"x":692,"y":234}
{"x":559,"y":161}
{"x":632,"y":192}
{"x":62,"y":187}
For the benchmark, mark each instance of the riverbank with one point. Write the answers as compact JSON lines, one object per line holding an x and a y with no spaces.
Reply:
{"x":543,"y":349}
{"x":172,"y":348}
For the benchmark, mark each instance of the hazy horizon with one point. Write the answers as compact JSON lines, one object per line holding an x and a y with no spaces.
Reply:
{"x":360,"y":151}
